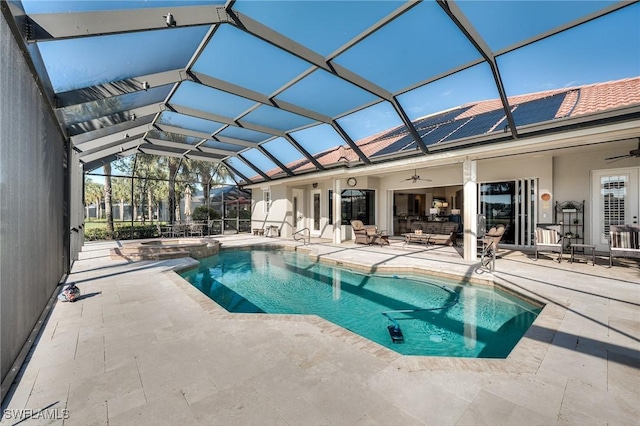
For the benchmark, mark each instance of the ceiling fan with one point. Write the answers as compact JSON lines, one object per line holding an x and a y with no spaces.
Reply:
{"x":416,"y":178}
{"x":632,"y":153}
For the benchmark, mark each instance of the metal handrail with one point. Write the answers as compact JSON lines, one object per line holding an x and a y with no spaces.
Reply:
{"x":308,"y":237}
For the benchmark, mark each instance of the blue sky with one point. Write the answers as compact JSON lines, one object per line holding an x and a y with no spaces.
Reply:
{"x":420,"y":45}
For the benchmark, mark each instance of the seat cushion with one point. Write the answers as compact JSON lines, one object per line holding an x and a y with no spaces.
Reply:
{"x":625,"y":239}
{"x":546,"y":236}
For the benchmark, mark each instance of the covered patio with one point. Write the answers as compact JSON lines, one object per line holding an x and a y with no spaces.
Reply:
{"x":142,"y":346}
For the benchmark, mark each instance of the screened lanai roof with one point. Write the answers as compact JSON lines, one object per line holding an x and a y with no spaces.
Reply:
{"x":264,"y":85}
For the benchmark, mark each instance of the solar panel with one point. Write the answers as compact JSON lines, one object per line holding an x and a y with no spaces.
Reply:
{"x":442,"y":131}
{"x":438,"y":119}
{"x":539,"y":110}
{"x":443,"y":127}
{"x":399,"y":145}
{"x":426,"y":122}
{"x":480,"y":124}
{"x":398,"y":131}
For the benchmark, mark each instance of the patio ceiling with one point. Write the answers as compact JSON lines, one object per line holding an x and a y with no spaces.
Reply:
{"x":262,"y":85}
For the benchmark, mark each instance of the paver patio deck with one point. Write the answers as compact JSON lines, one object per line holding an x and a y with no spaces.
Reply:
{"x":142,"y":346}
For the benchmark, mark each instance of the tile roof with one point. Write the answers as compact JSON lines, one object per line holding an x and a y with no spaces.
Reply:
{"x":577,"y":101}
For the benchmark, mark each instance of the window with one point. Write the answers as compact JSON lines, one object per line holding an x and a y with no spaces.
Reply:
{"x":356,"y":204}
{"x":266,"y":196}
{"x":613,"y":197}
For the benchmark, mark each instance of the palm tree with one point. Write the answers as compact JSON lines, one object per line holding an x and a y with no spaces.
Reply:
{"x":93,"y":193}
{"x":121,"y":192}
{"x":173,"y":164}
{"x":108,"y":206}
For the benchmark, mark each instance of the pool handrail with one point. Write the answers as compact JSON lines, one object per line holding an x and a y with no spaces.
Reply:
{"x":302,"y":236}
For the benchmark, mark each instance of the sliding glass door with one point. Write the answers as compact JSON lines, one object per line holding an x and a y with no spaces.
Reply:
{"x":510,"y":203}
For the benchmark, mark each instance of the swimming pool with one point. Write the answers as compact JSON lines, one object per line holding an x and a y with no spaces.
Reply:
{"x":442,"y":318}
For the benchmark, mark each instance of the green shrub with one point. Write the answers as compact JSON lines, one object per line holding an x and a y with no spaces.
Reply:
{"x":200,"y":213}
{"x":121,"y":232}
{"x":97,"y":234}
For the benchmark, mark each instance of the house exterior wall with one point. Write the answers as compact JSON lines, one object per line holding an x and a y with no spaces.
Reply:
{"x":33,"y":192}
{"x":572,"y":174}
{"x":279,"y":214}
{"x":565,"y":176}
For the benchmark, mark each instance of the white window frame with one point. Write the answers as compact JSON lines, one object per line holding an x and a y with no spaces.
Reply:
{"x":266,"y":197}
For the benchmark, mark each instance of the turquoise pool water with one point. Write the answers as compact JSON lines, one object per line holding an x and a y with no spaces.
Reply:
{"x":480,"y":322}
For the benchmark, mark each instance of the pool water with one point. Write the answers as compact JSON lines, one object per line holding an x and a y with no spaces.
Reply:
{"x":479,"y":322}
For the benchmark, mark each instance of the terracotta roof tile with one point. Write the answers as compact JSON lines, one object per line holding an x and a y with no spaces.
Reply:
{"x":605,"y":96}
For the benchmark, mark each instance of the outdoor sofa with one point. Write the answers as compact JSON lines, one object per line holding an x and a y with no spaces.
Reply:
{"x":442,"y":233}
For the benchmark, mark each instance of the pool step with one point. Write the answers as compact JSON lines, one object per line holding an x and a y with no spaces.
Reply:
{"x":166,"y":249}
{"x":134,"y":255}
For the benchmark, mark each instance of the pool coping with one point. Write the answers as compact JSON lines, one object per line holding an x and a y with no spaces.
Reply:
{"x":525,"y":357}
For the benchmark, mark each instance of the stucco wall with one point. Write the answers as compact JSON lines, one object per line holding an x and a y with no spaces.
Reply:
{"x":572,"y":174}
{"x":32,"y":220}
{"x":279,"y":211}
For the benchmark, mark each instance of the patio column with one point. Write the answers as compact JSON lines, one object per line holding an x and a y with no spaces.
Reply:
{"x":470,"y":220}
{"x":337,"y":216}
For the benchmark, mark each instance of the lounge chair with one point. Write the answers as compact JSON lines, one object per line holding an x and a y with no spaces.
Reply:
{"x":549,"y":238}
{"x":490,"y":245}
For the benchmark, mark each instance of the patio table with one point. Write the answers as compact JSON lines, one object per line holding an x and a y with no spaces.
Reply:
{"x":417,"y":238}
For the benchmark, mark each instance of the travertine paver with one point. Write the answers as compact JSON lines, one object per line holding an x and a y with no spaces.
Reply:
{"x":145,"y":347}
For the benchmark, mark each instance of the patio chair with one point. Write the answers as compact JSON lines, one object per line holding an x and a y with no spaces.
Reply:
{"x":365,"y":234}
{"x":195,"y":229}
{"x":624,"y":241}
{"x":179,"y":229}
{"x":549,"y":239}
{"x":490,"y":245}
{"x":164,"y":231}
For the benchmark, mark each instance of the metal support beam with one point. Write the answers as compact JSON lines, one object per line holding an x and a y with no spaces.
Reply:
{"x":233,"y":141}
{"x":100,"y":128}
{"x":254,"y":167}
{"x":111,"y":134}
{"x":409,"y":125}
{"x":226,"y":120}
{"x":463,"y":24}
{"x":275,"y":160}
{"x":215,"y":151}
{"x":103,"y":125}
{"x":121,"y":87}
{"x":246,"y":179}
{"x":115,"y":149}
{"x":49,"y":26}
{"x":182,"y":131}
{"x":257,"y":97}
{"x":304,"y":152}
{"x":351,"y":143}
